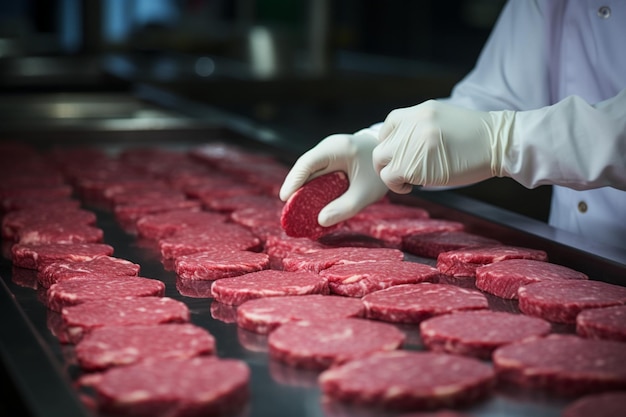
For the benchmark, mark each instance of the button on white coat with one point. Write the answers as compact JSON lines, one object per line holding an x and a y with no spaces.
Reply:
{"x":604,"y":12}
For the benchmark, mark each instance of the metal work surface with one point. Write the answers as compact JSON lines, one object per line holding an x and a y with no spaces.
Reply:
{"x":276,"y":389}
{"x":43,"y":371}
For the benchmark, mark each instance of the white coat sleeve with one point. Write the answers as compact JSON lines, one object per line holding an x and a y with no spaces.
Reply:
{"x":572,"y":144}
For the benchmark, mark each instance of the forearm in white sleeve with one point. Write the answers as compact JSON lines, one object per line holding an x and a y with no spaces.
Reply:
{"x":571,"y":143}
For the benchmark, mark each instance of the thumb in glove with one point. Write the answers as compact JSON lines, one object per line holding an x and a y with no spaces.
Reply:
{"x":351,"y":154}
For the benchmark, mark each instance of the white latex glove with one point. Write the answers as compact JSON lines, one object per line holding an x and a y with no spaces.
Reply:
{"x":438,"y":144}
{"x":351,"y":154}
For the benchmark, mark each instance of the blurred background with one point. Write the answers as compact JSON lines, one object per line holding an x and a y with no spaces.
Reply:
{"x":302,"y":68}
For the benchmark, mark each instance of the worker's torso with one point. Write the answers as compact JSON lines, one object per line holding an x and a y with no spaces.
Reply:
{"x":588,"y":59}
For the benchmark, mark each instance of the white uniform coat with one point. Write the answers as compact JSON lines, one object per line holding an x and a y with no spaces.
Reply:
{"x":569,"y":55}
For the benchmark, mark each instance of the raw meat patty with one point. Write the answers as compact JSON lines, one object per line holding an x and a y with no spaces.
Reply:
{"x":479,"y":333}
{"x":357,"y":280}
{"x":81,"y":319}
{"x":609,"y":404}
{"x":563,"y":364}
{"x":409,"y":380}
{"x":269,"y":283}
{"x":40,"y":256}
{"x":218,"y":236}
{"x":348,"y":238}
{"x":194,"y":288}
{"x":158,"y":226}
{"x":412,"y":303}
{"x":299,"y":216}
{"x":218,"y":264}
{"x":319,"y":345}
{"x":504,"y":278}
{"x":207,"y":189}
{"x":34,"y":191}
{"x":124,"y":345}
{"x":561,"y":301}
{"x":463,"y":262}
{"x":230,"y":204}
{"x":128,"y":214}
{"x":257,"y":218}
{"x":281,"y":246}
{"x":318,"y":260}
{"x":385,"y":210}
{"x":15,"y":221}
{"x":24,"y":203}
{"x":92,"y":288}
{"x":430,"y":245}
{"x":60,"y":232}
{"x":201,"y":386}
{"x":141,"y":196}
{"x":99,"y":265}
{"x":392,"y":231}
{"x":263,"y":315}
{"x":602,"y":323}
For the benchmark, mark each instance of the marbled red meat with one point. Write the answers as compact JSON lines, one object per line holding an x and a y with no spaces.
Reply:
{"x":262,"y":315}
{"x":602,"y":323}
{"x":408,"y":380}
{"x":268,"y":283}
{"x":565,"y":365}
{"x":200,"y":386}
{"x":412,"y":303}
{"x":220,"y":263}
{"x":359,"y":279}
{"x":99,"y":265}
{"x":93,"y":288}
{"x":40,"y":256}
{"x":561,"y":301}
{"x":299,"y":216}
{"x":111,"y":346}
{"x":319,"y":345}
{"x":463,"y":262}
{"x":430,"y":245}
{"x":81,"y":319}
{"x":479,"y":333}
{"x":504,"y":278}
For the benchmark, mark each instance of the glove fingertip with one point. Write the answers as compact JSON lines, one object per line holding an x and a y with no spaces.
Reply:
{"x":329,"y":217}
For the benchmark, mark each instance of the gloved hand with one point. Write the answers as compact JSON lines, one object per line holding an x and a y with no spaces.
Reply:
{"x":438,"y":144}
{"x":351,"y":154}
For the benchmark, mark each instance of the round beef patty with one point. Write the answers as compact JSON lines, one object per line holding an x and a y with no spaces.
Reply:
{"x":479,"y":333}
{"x":408,"y":380}
{"x":81,"y":319}
{"x":359,"y":279}
{"x":174,"y":387}
{"x":609,"y":404}
{"x":561,"y":301}
{"x":602,"y":323}
{"x":412,"y":303}
{"x":124,"y":345}
{"x":268,"y":283}
{"x":463,"y":262}
{"x":92,"y":288}
{"x":299,"y":215}
{"x":504,"y":278}
{"x":563,"y":364}
{"x":319,"y":345}
{"x":263,"y":315}
{"x":100,"y":265}
{"x":217,"y":264}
